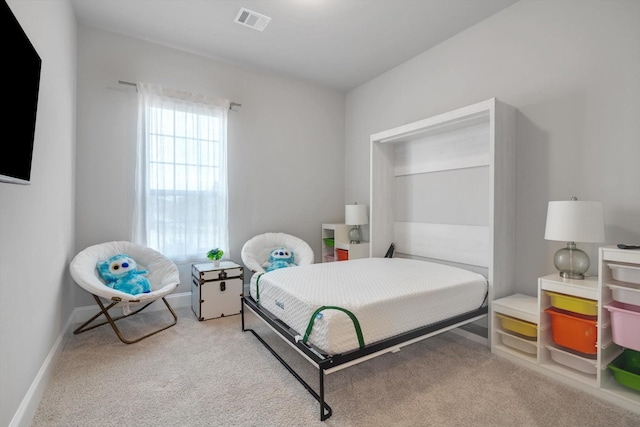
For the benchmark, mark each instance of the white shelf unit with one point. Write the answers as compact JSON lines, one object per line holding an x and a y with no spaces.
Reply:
{"x":588,"y":289}
{"x":443,"y":189}
{"x":340,"y":235}
{"x":337,"y":232}
{"x":573,"y":371}
{"x":629,"y":257}
{"x":504,"y":342}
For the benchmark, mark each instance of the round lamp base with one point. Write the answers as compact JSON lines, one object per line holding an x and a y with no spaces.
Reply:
{"x":571,"y":262}
{"x":354,"y":235}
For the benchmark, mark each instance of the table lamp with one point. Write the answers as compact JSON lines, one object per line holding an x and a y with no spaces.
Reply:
{"x":574,"y":221}
{"x":355,"y":215}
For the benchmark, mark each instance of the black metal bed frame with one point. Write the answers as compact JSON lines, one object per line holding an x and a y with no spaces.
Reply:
{"x":326,"y":362}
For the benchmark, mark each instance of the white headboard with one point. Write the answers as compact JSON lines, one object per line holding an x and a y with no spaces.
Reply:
{"x":443,"y":188}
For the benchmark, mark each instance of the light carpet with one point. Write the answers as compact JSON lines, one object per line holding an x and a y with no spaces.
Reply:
{"x":210,"y":373}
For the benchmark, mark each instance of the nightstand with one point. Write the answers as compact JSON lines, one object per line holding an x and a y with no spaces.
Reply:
{"x":215,"y":291}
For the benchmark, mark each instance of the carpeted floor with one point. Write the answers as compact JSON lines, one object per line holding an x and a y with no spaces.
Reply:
{"x":210,"y":373}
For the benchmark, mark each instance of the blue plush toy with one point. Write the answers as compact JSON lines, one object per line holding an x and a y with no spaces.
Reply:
{"x":280,"y":258}
{"x":121,"y":273}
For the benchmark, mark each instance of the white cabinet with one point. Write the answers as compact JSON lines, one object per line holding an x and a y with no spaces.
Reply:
{"x":588,"y":372}
{"x":580,"y":366}
{"x":610,"y":257}
{"x":332,"y":233}
{"x":443,"y":188}
{"x":336,"y":246}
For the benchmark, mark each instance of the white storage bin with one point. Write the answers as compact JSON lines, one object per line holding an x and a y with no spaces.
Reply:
{"x":625,"y":273}
{"x":628,"y":294}
{"x":518,"y":343}
{"x":588,"y":366}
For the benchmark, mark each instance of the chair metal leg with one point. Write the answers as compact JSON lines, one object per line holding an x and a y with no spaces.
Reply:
{"x":111,"y":320}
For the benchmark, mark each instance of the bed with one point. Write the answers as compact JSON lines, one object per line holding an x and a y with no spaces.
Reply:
{"x":342,"y":313}
{"x":344,"y":306}
{"x":442,"y":190}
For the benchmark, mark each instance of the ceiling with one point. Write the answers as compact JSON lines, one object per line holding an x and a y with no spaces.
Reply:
{"x":339,"y":44}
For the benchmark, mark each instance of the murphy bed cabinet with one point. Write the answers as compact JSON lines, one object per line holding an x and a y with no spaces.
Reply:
{"x":443,"y":189}
{"x":590,"y":374}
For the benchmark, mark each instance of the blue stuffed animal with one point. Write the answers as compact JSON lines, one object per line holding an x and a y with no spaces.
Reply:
{"x":121,"y":273}
{"x":280,"y":258}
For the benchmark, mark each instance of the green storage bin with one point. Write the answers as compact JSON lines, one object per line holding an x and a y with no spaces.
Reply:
{"x":626,"y":369}
{"x":329,"y":241}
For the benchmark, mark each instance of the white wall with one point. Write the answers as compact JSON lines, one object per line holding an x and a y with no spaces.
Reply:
{"x":37,"y":220}
{"x":285,"y":144}
{"x":572,"y":69}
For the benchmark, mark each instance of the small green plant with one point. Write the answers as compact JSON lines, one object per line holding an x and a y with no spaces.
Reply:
{"x":215,"y":254}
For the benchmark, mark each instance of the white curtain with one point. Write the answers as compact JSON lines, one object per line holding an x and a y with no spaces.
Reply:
{"x":181,"y":175}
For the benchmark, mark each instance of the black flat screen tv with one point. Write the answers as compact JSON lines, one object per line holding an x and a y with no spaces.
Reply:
{"x":21,"y":71}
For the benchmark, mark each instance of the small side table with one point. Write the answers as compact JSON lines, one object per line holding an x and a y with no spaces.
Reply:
{"x":216,"y":291}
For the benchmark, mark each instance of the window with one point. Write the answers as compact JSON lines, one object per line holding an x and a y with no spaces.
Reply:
{"x":181,"y":178}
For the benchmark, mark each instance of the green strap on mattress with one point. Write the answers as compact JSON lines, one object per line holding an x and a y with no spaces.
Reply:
{"x":354,"y":319}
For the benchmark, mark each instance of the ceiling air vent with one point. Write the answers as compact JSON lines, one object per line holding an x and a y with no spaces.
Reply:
{"x":252,"y":19}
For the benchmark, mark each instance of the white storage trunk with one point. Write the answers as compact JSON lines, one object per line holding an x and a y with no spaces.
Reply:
{"x":215,"y":291}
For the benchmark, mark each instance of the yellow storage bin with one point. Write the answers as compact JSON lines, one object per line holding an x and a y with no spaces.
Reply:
{"x":575,"y":304}
{"x":518,"y":326}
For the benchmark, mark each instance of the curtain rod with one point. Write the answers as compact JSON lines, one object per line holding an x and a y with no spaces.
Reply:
{"x":231,"y":103}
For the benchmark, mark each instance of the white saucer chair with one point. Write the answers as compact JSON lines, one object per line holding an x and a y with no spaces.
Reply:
{"x":255,"y":252}
{"x":162,"y":274}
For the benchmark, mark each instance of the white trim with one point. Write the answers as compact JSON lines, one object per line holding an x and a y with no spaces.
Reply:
{"x":27,"y":409}
{"x":462,"y":117}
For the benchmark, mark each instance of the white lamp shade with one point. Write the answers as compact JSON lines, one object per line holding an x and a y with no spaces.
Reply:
{"x":575,"y":221}
{"x":355,"y":214}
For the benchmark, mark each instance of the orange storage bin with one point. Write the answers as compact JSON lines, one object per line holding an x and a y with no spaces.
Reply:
{"x":343,"y":254}
{"x":579,"y":333}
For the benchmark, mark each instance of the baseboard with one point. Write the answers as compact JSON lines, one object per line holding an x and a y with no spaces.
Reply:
{"x":27,"y":409}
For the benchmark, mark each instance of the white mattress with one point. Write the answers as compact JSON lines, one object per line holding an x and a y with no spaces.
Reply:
{"x":388,"y":296}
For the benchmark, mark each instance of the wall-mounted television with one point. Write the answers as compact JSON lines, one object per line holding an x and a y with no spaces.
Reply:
{"x":21,"y":71}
